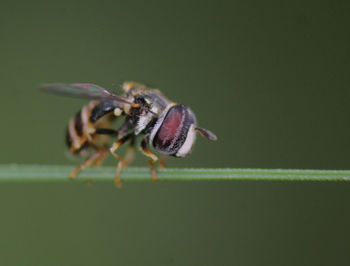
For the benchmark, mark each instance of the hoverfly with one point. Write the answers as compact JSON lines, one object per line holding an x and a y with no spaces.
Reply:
{"x":170,"y":128}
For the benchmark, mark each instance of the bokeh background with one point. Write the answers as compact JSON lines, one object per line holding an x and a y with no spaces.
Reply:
{"x":270,"y":78}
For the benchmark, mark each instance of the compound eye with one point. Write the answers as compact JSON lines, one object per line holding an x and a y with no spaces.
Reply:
{"x":173,"y":131}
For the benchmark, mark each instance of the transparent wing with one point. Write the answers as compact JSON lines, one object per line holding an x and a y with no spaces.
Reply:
{"x":83,"y":90}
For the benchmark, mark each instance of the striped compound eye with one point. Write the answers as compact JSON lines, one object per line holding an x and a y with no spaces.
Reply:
{"x":175,"y":131}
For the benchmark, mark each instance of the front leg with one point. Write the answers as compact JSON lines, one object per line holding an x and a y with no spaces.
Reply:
{"x":148,"y":153}
{"x":162,"y":161}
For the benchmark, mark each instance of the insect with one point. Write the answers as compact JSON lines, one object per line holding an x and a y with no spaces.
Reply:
{"x":170,"y":128}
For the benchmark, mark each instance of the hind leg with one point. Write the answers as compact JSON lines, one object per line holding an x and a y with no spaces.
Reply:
{"x":103,"y":151}
{"x":102,"y":157}
{"x":96,"y":158}
{"x":88,"y":162}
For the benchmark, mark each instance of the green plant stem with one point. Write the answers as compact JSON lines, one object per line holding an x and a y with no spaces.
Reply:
{"x":46,"y":173}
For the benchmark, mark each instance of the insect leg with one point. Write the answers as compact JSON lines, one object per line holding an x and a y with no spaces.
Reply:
{"x":130,"y":153}
{"x":162,"y":161}
{"x":114,"y":147}
{"x":88,"y":162}
{"x":148,"y":153}
{"x":102,"y":157}
{"x":104,"y":151}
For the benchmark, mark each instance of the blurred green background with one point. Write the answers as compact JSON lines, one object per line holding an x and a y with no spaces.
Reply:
{"x":270,"y":78}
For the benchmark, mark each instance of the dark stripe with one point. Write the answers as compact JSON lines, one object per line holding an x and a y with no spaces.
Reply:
{"x":68,"y":139}
{"x":106,"y":131}
{"x":78,"y":124}
{"x":102,"y":109}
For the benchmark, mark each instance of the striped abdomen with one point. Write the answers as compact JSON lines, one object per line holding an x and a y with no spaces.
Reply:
{"x":81,"y":131}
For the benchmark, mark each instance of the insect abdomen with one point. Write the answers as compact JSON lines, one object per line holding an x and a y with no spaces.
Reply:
{"x":80,"y":129}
